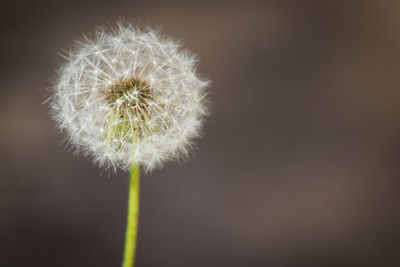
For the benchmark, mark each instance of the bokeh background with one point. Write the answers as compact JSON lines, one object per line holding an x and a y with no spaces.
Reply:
{"x":299,"y":162}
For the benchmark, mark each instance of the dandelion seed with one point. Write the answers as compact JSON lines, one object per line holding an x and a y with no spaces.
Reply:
{"x":129,"y":97}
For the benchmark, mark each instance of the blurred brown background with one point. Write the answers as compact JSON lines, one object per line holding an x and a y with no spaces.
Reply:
{"x":298,"y":166}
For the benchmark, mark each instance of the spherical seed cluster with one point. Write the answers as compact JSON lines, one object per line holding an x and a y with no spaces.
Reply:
{"x":129,"y":97}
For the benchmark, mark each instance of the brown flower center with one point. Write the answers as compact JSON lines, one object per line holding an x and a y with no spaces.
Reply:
{"x":130,"y":97}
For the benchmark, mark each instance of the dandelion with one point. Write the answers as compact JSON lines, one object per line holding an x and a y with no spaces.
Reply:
{"x":129,"y":99}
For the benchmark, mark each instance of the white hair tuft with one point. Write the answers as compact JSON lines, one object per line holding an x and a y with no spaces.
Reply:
{"x":129,"y":97}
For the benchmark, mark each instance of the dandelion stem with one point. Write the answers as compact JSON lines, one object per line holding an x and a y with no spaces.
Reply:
{"x":132,"y":221}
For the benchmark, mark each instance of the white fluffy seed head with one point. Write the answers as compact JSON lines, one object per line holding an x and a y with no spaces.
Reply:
{"x":129,"y":97}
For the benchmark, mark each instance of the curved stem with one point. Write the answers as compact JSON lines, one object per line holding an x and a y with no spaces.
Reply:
{"x":132,"y":221}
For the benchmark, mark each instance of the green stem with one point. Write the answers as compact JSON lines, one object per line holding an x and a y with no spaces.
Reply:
{"x":132,"y":222}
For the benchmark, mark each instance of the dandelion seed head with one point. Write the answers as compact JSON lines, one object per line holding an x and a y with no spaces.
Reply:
{"x":129,"y":97}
